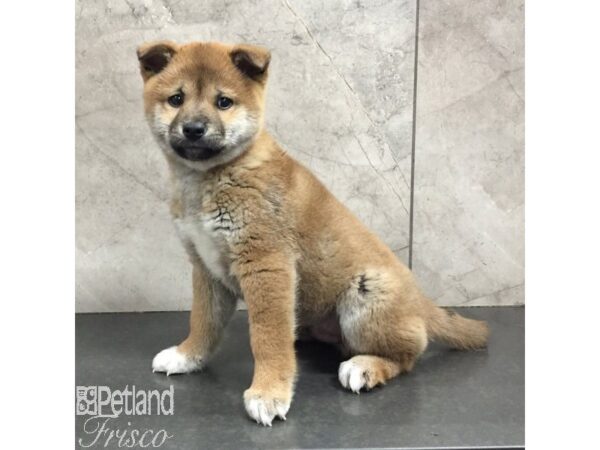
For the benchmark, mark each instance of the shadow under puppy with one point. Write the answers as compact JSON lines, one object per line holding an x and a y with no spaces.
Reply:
{"x":257,"y":224}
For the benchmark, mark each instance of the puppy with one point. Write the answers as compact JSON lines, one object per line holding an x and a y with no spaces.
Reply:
{"x":257,"y":224}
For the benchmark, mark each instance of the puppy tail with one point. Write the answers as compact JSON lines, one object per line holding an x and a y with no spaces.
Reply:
{"x":456,"y":331}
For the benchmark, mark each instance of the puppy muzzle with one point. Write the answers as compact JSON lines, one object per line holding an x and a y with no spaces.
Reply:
{"x":196,"y":152}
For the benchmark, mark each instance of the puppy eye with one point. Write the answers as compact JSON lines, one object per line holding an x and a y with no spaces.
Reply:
{"x":224,"y":102}
{"x":175,"y":100}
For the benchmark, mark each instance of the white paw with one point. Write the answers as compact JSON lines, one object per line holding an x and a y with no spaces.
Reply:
{"x":352,"y":376}
{"x":264,"y":410}
{"x":170,"y":360}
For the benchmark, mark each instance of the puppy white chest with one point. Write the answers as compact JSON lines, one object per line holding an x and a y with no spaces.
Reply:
{"x":203,"y":237}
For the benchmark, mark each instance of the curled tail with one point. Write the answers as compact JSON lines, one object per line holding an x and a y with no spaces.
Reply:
{"x":458,"y":332}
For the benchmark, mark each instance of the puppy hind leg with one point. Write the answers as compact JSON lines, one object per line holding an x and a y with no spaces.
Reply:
{"x":366,"y":372}
{"x":386,"y":341}
{"x":401,"y":346}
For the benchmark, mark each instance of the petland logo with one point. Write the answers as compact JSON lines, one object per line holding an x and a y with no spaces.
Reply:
{"x":104,"y":406}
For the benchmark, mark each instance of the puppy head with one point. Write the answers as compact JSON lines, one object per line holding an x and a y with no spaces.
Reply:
{"x":204,"y":101}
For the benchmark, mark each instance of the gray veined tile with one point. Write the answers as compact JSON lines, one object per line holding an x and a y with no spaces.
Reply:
{"x":469,"y":170}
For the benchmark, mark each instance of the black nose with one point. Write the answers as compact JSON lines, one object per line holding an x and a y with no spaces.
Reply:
{"x":194,"y":130}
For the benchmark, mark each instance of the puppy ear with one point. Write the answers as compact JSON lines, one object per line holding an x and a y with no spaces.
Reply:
{"x":154,"y":57}
{"x":252,"y":61}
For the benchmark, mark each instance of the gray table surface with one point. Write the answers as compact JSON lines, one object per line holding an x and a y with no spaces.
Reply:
{"x":452,"y":399}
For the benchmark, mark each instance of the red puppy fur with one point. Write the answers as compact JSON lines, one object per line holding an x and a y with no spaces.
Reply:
{"x":258,"y":225}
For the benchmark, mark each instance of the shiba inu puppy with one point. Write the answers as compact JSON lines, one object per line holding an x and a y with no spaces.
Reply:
{"x":257,"y":224}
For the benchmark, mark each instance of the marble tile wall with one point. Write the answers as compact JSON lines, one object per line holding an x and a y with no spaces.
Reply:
{"x":468,"y":242}
{"x":340,"y":100}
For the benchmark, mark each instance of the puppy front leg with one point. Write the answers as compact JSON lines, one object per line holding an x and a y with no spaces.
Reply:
{"x":212,"y":308}
{"x":268,"y":285}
